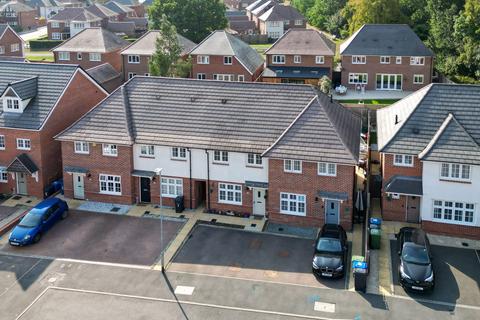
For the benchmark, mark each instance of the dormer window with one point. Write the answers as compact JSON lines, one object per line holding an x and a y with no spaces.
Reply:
{"x":12,"y":104}
{"x":18,"y":94}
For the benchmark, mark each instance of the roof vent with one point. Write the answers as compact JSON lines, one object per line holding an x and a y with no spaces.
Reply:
{"x":193,"y":99}
{"x":416,"y":130}
{"x":158,"y":97}
{"x":224,"y":101}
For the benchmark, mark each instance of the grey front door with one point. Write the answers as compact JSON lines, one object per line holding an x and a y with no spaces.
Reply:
{"x":78,"y":186}
{"x":21,"y":183}
{"x":332,"y":211}
{"x":413,"y":209}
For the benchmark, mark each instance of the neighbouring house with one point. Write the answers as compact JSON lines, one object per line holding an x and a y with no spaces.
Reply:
{"x":278,"y":19}
{"x":11,"y":44}
{"x":136,"y":57}
{"x":300,"y":56}
{"x":123,"y":11}
{"x":430,"y":152}
{"x":90,"y":48}
{"x":137,"y":6}
{"x":106,"y":75}
{"x":386,"y":57}
{"x":18,"y":15}
{"x":240,"y":5}
{"x":277,"y":150}
{"x":222,"y":56}
{"x":38,"y":101}
{"x":45,"y":8}
{"x":240,"y":24}
{"x":257,"y":8}
{"x":69,"y":22}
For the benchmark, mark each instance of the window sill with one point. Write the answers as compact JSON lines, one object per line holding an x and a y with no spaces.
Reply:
{"x":179,"y":159}
{"x":294,"y":213}
{"x":254,"y":166}
{"x":110,"y":193}
{"x":295,"y":172}
{"x":110,"y":155}
{"x":24,"y":149}
{"x":146,"y":157}
{"x":170,"y":196}
{"x":221,"y":163}
{"x":326,"y":175}
{"x":84,"y":153}
{"x":232,"y":203}
{"x":457,"y":181}
{"x":402,"y":165}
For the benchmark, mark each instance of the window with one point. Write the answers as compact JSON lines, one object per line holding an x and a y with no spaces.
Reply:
{"x":147,"y":74}
{"x":297,"y":59}
{"x":171,"y":187}
{"x":147,"y":151}
{"x":82,"y":147}
{"x":78,"y":25}
{"x":179,"y":153}
{"x":278,"y":59}
{"x":133,"y":59}
{"x":291,"y":203}
{"x":294,"y":166}
{"x":453,"y":212}
{"x":354,"y":78}
{"x":389,"y":81}
{"x":254,"y":159}
{"x":64,"y":56}
{"x":359,"y":59}
{"x":395,"y":196}
{"x":220,"y":156}
{"x":417,"y":61}
{"x":2,"y":142}
{"x":110,"y":150}
{"x":402,"y":160}
{"x":3,"y":176}
{"x":418,"y":79}
{"x":385,"y":60}
{"x":95,"y":56}
{"x":229,"y":193}
{"x":201,"y":76}
{"x":110,"y":184}
{"x":319,"y":59}
{"x":327,"y":169}
{"x":223,"y":77}
{"x":203,"y":59}
{"x":23,"y":144}
{"x":131,"y":75}
{"x":227,"y":60}
{"x":14,"y":47}
{"x":55,"y":24}
{"x":79,"y":56}
{"x":56,"y":36}
{"x":453,"y":171}
{"x":241,"y":77}
{"x":298,"y":22}
{"x":2,"y":49}
{"x":12,"y":104}
{"x":398,"y":60}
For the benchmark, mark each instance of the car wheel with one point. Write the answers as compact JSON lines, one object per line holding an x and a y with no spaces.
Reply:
{"x":64,"y":214}
{"x":37,"y":237}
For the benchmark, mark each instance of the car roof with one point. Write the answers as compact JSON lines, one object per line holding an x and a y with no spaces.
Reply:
{"x":414,"y":235}
{"x":331,"y":231}
{"x":47,"y":203}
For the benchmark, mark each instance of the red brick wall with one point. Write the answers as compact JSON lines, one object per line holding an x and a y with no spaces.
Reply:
{"x":452,"y":229}
{"x":373,"y":66}
{"x":26,"y":19}
{"x":136,"y":68}
{"x":393,"y":209}
{"x":306,"y":61}
{"x":113,"y":58}
{"x":309,"y":183}
{"x":61,"y":29}
{"x":9,"y":38}
{"x":216,"y":66}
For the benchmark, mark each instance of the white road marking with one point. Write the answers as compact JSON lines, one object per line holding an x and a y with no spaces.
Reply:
{"x":442,"y":303}
{"x":32,"y":303}
{"x":478,"y":257}
{"x":184,"y":290}
{"x":21,"y":277}
{"x":324,"y":307}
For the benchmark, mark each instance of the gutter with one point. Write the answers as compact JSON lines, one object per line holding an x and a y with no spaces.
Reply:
{"x":208,"y":180}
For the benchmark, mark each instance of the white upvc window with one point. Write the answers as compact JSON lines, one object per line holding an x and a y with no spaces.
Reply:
{"x":147,"y":150}
{"x":224,"y":77}
{"x":278,"y":59}
{"x":398,"y":60}
{"x":453,"y":212}
{"x":12,"y":104}
{"x":147,"y":74}
{"x":417,"y":61}
{"x":385,"y":60}
{"x":109,"y":150}
{"x":298,"y":22}
{"x":2,"y":142}
{"x":203,"y":59}
{"x":110,"y":184}
{"x":55,"y":24}
{"x":402,"y":160}
{"x":292,"y":203}
{"x":2,"y":49}
{"x":294,"y":166}
{"x":354,"y":78}
{"x":254,"y":159}
{"x":179,"y":153}
{"x":172,"y":187}
{"x":79,"y":56}
{"x":230,"y":193}
{"x":133,"y":59}
{"x":327,"y":169}
{"x":131,"y":75}
{"x":14,"y":47}
{"x":359,"y":59}
{"x":418,"y":79}
{"x":64,"y":56}
{"x":241,"y":78}
{"x":201,"y":76}
{"x":23,"y":144}
{"x":455,"y":171}
{"x":319,"y":59}
{"x":227,"y":60}
{"x":78,"y":25}
{"x":3,"y":176}
{"x":395,"y":196}
{"x":82,"y":147}
{"x":297,"y":59}
{"x":56,"y":36}
{"x":95,"y":56}
{"x":220,"y":156}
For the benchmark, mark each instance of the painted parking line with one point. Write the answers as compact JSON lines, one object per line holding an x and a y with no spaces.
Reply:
{"x":20,"y":278}
{"x":478,"y":256}
{"x":441,"y":303}
{"x":184,"y":290}
{"x":324,"y":307}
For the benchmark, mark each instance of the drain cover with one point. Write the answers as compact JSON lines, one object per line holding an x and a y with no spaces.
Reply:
{"x":115,"y":209}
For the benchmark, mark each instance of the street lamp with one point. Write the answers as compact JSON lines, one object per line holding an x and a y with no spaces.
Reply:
{"x":158,"y":171}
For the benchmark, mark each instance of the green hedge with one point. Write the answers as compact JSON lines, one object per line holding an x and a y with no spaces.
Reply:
{"x":43,"y":44}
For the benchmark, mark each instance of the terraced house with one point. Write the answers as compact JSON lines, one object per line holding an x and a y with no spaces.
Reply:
{"x":38,"y":101}
{"x":285,"y":151}
{"x":430,"y":145}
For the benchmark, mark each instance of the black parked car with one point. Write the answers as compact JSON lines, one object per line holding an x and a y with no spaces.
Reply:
{"x":330,"y":257}
{"x":415,"y":271}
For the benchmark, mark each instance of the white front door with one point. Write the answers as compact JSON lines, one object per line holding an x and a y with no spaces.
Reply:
{"x":259,"y":202}
{"x":21,"y":183}
{"x":332,"y":212}
{"x":78,"y":186}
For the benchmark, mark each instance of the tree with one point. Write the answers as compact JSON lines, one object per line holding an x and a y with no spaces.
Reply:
{"x":320,"y":13}
{"x":325,"y":84}
{"x":302,"y":5}
{"x":374,"y":11}
{"x":417,"y":16}
{"x":166,"y":60}
{"x":194,"y":19}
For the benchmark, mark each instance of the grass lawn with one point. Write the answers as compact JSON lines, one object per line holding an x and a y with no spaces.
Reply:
{"x":261,"y":48}
{"x":371,"y":101}
{"x":40,"y":58}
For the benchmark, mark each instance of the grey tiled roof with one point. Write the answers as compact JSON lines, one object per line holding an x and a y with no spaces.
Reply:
{"x":405,"y":185}
{"x":103,"y":73}
{"x":280,"y":12}
{"x":223,"y":43}
{"x":303,"y":42}
{"x":343,"y":196}
{"x":101,"y":11}
{"x":3,"y":27}
{"x":145,"y":45}
{"x":241,"y":25}
{"x":255,"y":4}
{"x":251,"y":117}
{"x":22,"y":163}
{"x":15,"y":6}
{"x":117,"y":7}
{"x":119,"y":27}
{"x":93,"y":40}
{"x":85,"y":15}
{"x":52,"y":80}
{"x":66,"y":14}
{"x":385,"y":39}
{"x":296,"y":72}
{"x":420,"y":117}
{"x":25,"y":88}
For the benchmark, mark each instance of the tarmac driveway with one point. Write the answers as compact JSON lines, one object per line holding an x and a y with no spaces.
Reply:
{"x":103,"y":237}
{"x":250,"y":255}
{"x":457,"y":273}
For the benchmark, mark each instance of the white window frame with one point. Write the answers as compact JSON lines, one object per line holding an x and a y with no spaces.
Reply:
{"x":400,"y":160}
{"x":418,"y":78}
{"x":14,"y":47}
{"x":224,"y":77}
{"x":171,"y":187}
{"x":2,"y":49}
{"x":417,"y":61}
{"x":448,"y":211}
{"x":109,"y":184}
{"x":385,"y":59}
{"x":358,"y":78}
{"x":359,"y":59}
{"x":78,"y":25}
{"x":134,"y":59}
{"x":82,"y":147}
{"x":297,"y":59}
{"x":220,"y":156}
{"x":278,"y":59}
{"x":395,"y":196}
{"x":109,"y":150}
{"x":291,"y":203}
{"x":241,"y":78}
{"x":232,"y":191}
{"x":147,"y":151}
{"x":55,"y":24}
{"x":298,"y":22}
{"x":95,"y":56}
{"x":228,"y":60}
{"x":327,"y":169}
{"x":202,"y":59}
{"x":254,"y":160}
{"x":24,"y":144}
{"x":2,"y":142}
{"x":179,"y":153}
{"x":64,"y":56}
{"x":56,"y":36}
{"x":455,"y":172}
{"x":292,"y":166}
{"x":3,"y":176}
{"x":201,"y":76}
{"x":320,"y":59}
{"x":131,"y":75}
{"x":79,"y":56}
{"x":12,"y":104}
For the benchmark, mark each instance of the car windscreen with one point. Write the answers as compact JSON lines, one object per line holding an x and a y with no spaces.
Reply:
{"x":329,"y":245}
{"x":415,"y":254}
{"x":32,"y":219}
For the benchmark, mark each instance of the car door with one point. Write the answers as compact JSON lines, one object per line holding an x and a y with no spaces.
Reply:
{"x":46,"y":219}
{"x":56,"y":213}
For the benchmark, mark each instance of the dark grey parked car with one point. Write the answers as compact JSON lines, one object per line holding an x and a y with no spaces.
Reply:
{"x":330,"y":256}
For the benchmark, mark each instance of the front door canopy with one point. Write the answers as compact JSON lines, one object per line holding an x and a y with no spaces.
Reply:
{"x":331,"y":195}
{"x":22,"y":163}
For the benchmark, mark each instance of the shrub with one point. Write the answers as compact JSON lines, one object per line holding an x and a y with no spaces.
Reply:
{"x":41,"y":45}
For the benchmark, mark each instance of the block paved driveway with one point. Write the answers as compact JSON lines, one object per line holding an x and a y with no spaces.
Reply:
{"x":249,"y":255}
{"x":103,"y":237}
{"x":7,"y":211}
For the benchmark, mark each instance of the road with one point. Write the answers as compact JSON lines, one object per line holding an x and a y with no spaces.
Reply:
{"x":33,"y":34}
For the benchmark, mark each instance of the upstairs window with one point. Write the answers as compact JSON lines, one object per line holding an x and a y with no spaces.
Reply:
{"x":110,"y":150}
{"x":82,"y":147}
{"x":327,"y":169}
{"x":227,"y":60}
{"x":147,"y":151}
{"x":454,"y":171}
{"x":203,"y":59}
{"x":359,"y":59}
{"x":297,"y":59}
{"x":278,"y":59}
{"x":78,"y":25}
{"x":417,"y":61}
{"x":133,"y":59}
{"x":254,"y":159}
{"x":2,"y":49}
{"x":55,"y":24}
{"x":2,"y":142}
{"x":319,"y":59}
{"x":403,"y":160}
{"x":298,"y":22}
{"x":179,"y":153}
{"x":220,"y":156}
{"x":64,"y":56}
{"x":79,"y":56}
{"x":23,"y":144}
{"x":385,"y":60}
{"x":14,"y":47}
{"x":293,"y":166}
{"x":12,"y":104}
{"x":95,"y":56}
{"x":398,"y":60}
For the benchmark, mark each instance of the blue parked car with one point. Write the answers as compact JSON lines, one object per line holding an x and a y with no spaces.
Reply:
{"x":38,"y":221}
